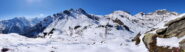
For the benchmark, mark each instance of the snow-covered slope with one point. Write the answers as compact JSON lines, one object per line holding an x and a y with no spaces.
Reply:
{"x":79,"y":24}
{"x":152,"y":19}
{"x":142,"y":22}
{"x":76,"y":30}
{"x":16,"y":43}
{"x":35,"y":20}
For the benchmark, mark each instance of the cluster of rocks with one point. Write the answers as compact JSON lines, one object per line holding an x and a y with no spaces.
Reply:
{"x":175,"y":28}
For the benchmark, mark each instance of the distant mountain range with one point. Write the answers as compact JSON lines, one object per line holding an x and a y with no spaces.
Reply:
{"x":75,"y":30}
{"x":77,"y":22}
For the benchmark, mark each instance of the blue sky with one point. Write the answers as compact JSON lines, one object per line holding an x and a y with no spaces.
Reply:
{"x":33,"y":8}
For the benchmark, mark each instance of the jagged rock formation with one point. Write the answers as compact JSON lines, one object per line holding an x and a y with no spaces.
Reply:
{"x":174,"y":28}
{"x":137,"y":39}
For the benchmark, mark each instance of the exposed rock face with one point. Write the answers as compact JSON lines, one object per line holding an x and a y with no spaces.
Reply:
{"x":137,"y":39}
{"x":175,"y":28}
{"x":161,"y":31}
{"x":182,"y":45}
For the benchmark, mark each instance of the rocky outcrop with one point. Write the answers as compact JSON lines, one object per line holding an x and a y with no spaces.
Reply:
{"x":136,"y":39}
{"x":175,"y":28}
{"x":5,"y":49}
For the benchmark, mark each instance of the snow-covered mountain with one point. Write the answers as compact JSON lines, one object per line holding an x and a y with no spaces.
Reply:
{"x":77,"y":27}
{"x":17,"y":25}
{"x":71,"y":20}
{"x":78,"y":23}
{"x":35,"y":20}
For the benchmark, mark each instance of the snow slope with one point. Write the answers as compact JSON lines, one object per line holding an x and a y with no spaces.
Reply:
{"x":77,"y":31}
{"x":17,"y":43}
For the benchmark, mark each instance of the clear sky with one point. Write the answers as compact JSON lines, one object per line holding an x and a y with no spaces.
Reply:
{"x":33,"y":8}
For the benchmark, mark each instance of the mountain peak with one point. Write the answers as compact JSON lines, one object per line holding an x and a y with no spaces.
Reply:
{"x":164,"y":11}
{"x":140,"y":14}
{"x":19,"y":18}
{"x":80,"y":10}
{"x":121,"y":12}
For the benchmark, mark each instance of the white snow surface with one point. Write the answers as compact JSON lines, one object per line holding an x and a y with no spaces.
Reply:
{"x":172,"y":42}
{"x":89,"y":37}
{"x":17,"y":43}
